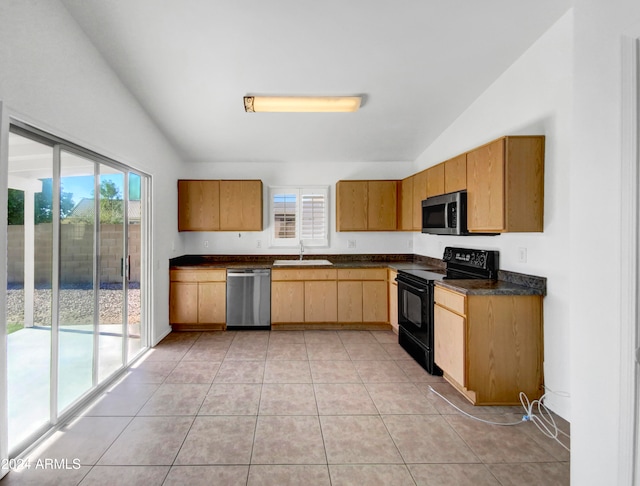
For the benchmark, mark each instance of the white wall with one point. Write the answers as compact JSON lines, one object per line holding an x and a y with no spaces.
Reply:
{"x":597,"y":325}
{"x":292,"y":173}
{"x":534,"y":96}
{"x":54,"y":78}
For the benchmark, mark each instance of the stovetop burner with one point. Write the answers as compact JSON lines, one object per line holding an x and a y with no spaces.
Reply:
{"x":423,"y":274}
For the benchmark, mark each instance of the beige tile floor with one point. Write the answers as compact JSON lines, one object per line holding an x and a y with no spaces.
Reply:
{"x":290,"y":408}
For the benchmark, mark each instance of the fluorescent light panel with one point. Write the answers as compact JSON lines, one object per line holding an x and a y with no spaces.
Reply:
{"x":297,"y":104}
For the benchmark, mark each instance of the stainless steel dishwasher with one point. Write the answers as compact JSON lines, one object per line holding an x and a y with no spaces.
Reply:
{"x":249,"y":298}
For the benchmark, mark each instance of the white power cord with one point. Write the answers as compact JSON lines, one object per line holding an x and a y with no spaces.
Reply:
{"x":544,"y":420}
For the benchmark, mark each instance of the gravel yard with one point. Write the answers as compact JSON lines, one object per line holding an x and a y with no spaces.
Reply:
{"x":76,"y":306}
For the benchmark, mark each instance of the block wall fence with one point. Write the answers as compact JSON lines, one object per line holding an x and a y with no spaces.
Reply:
{"x":76,"y":254}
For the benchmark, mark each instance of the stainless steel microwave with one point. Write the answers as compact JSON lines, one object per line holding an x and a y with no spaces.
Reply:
{"x":445,"y":214}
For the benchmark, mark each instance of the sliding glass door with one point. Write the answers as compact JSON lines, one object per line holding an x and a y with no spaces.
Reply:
{"x":77,"y":290}
{"x":76,"y":242}
{"x":29,"y":287}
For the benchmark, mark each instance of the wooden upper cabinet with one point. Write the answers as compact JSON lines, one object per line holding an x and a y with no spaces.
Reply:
{"x":351,"y":205}
{"x":241,"y":205}
{"x":505,"y":185}
{"x":406,"y":204}
{"x":455,"y":174}
{"x":382,"y":206}
{"x":198,"y":205}
{"x":366,"y":205}
{"x":419,"y":194}
{"x":214,"y":205}
{"x":435,"y":180}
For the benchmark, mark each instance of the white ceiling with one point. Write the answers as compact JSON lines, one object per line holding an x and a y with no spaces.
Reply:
{"x":418,"y":63}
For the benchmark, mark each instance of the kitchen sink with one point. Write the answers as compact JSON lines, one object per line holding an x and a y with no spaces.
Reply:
{"x":300,"y":263}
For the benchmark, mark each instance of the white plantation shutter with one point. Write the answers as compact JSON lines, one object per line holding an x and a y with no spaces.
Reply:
{"x":299,"y":213}
{"x":313,"y":225}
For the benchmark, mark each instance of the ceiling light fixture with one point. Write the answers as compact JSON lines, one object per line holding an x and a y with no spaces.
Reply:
{"x":301,"y":103}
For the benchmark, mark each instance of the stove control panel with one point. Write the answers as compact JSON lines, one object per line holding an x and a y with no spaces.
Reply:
{"x":471,"y":258}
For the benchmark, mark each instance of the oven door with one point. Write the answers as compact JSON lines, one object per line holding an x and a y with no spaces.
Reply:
{"x":415,"y":319}
{"x":413,"y":304}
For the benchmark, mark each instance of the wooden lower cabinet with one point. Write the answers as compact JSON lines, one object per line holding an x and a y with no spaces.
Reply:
{"x":490,"y":347}
{"x":449,"y":343}
{"x":321,"y":301}
{"x":197,"y":299}
{"x":363,"y":295}
{"x":329,"y":298}
{"x":350,"y":301}
{"x":393,"y":299}
{"x":212,"y":302}
{"x":287,"y":302}
{"x":183,"y":303}
{"x":374,"y":301}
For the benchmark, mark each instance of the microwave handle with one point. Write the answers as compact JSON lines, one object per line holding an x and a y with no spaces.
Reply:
{"x":446,"y":215}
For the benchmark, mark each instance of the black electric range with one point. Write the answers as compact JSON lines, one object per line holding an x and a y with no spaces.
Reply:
{"x":415,"y":298}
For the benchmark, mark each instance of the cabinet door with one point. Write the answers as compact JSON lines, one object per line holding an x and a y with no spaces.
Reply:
{"x":287,"y":302}
{"x":382,"y":210}
{"x":485,"y":188}
{"x":435,"y":180}
{"x":449,"y":336}
{"x":406,"y":204}
{"x":198,"y":205}
{"x":212,"y":302}
{"x":183,"y":303}
{"x":351,"y":206}
{"x":374,"y":301}
{"x":419,"y":194}
{"x":350,"y":301}
{"x":321,"y":301}
{"x":455,"y":174}
{"x":393,"y":299}
{"x":241,"y":205}
{"x":524,"y":184}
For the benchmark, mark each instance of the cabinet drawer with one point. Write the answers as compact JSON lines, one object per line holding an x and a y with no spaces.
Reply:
{"x":217,"y":275}
{"x":362,"y":274}
{"x":451,"y":300}
{"x":304,"y":274}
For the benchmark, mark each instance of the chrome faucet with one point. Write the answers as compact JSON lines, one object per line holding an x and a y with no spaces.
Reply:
{"x":301,"y":249}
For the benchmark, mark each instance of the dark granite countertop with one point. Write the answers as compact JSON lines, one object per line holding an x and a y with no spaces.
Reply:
{"x":508,"y":283}
{"x":488,"y":287}
{"x":394,"y":261}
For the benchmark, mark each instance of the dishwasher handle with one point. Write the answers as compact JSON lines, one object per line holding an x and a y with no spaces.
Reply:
{"x":248,"y":272}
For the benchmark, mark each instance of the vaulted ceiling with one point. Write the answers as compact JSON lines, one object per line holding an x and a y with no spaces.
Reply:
{"x":418,"y":64}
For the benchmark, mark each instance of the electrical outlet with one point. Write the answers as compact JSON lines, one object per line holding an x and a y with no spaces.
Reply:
{"x":410,"y":244}
{"x":259,"y":244}
{"x":522,"y":255}
{"x":206,"y":243}
{"x":351,"y":244}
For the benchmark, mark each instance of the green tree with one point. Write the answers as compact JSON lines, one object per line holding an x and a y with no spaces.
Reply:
{"x":15,"y":207}
{"x":43,"y":202}
{"x":111,"y":204}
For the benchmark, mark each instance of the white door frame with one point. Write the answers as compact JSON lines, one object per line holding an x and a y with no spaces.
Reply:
{"x":628,"y":453}
{"x":4,"y":183}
